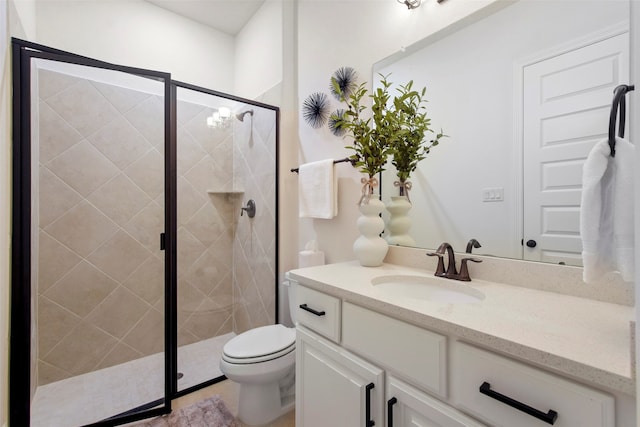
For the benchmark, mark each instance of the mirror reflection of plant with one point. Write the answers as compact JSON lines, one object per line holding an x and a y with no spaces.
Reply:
{"x":372,"y":133}
{"x":412,"y":124}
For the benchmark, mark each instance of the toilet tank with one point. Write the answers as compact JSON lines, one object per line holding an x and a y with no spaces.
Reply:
{"x":291,"y":294}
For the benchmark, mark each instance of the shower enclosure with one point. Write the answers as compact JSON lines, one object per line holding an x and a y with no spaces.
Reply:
{"x":132,"y":265}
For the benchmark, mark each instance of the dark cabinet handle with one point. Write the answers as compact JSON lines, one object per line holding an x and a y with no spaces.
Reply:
{"x":305,"y":307}
{"x":532,"y":243}
{"x":367,"y":406}
{"x":549,"y":417}
{"x":390,"y":404}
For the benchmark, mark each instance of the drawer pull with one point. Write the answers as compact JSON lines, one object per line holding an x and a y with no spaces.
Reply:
{"x":390,"y":404}
{"x":549,"y":418}
{"x":305,"y":307}
{"x":367,"y":405}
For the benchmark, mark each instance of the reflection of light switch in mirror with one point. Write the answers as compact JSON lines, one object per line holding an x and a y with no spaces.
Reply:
{"x":494,"y":194}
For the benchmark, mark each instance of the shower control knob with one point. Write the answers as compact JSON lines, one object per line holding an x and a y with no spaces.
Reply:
{"x":532,"y":243}
{"x":250,"y":209}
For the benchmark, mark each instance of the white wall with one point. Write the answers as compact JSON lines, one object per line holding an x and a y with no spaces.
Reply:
{"x":357,"y":34}
{"x":258,"y":51}
{"x":139,"y":34}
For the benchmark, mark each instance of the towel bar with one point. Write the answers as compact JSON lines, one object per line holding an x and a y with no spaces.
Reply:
{"x":618,"y":101}
{"x":346,"y":159}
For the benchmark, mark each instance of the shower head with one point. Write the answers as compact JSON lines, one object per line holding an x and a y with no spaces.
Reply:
{"x":240,"y":116}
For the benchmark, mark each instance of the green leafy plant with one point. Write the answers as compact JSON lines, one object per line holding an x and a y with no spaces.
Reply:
{"x":372,"y":134}
{"x":409,"y":146}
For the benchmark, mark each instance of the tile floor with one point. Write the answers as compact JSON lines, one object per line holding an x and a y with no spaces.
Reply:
{"x":100,"y":394}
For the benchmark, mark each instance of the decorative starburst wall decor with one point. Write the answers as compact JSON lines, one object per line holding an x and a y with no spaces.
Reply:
{"x":315,"y":109}
{"x":343,"y":83}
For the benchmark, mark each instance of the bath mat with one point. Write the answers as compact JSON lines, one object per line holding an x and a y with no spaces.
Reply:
{"x":210,"y":412}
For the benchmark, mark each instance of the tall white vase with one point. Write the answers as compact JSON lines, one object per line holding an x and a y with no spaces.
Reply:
{"x":399,"y":222}
{"x":370,"y":248}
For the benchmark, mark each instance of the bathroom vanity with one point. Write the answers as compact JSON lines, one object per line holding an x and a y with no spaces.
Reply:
{"x":396,"y":346}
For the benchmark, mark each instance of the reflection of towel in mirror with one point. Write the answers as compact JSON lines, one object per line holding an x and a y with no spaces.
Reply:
{"x":318,"y":190}
{"x":606,"y":211}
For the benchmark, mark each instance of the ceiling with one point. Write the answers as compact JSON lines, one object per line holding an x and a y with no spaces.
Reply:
{"x":228,"y":16}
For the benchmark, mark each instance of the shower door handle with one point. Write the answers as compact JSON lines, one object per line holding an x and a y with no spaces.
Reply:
{"x":163,"y":243}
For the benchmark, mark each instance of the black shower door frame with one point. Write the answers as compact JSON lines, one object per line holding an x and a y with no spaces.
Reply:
{"x":20,"y":312}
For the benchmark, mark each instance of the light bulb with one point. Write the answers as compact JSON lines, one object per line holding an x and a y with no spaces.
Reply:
{"x":224,"y":113}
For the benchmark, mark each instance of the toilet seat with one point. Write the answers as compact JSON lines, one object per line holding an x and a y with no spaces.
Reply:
{"x":260,"y":345}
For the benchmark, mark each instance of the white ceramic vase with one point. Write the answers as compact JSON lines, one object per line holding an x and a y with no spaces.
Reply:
{"x":370,"y":249}
{"x":399,"y":222}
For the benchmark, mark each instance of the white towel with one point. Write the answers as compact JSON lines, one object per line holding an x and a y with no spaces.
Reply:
{"x":606,"y":212}
{"x":318,"y":190}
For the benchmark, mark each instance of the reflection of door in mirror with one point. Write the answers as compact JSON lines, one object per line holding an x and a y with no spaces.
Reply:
{"x":566,"y":99}
{"x":474,"y":81}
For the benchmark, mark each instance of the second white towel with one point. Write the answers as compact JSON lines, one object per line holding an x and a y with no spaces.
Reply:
{"x":606,"y":211}
{"x":318,"y":190}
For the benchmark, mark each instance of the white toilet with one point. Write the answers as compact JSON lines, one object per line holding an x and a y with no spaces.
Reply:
{"x":262,"y":361}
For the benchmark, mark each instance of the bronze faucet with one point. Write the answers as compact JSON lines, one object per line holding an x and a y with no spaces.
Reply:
{"x":451,"y":266}
{"x":451,"y":272}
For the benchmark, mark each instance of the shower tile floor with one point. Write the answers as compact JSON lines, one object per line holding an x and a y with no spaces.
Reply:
{"x":101,"y":394}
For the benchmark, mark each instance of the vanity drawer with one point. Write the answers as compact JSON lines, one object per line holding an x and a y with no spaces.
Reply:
{"x":474,"y":369}
{"x":410,"y":352}
{"x":318,"y":312}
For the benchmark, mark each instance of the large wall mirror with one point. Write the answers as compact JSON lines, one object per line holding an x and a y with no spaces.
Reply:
{"x":523,"y":90}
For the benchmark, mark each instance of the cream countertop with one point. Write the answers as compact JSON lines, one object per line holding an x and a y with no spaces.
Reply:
{"x":582,"y":338}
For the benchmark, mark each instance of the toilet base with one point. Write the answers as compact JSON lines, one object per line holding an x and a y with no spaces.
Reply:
{"x":260,"y":404}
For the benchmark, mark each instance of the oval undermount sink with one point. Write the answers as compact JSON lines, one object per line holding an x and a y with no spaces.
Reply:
{"x":427,"y":288}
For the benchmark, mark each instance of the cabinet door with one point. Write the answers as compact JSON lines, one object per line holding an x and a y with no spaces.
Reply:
{"x":409,"y":407}
{"x":333,"y":386}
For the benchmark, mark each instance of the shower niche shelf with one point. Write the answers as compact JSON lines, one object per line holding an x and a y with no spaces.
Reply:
{"x":228,"y":194}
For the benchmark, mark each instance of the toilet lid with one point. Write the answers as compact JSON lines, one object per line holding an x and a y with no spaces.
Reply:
{"x":259,"y":342}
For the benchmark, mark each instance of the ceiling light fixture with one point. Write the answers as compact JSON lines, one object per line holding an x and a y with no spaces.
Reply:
{"x":411,"y":4}
{"x":219,"y":118}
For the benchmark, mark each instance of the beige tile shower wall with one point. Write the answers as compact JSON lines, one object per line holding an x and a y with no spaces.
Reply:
{"x":101,"y":273}
{"x":205,"y":226}
{"x":254,"y":250}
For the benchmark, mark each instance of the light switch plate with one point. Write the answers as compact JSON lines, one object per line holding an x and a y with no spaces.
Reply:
{"x":493,"y":194}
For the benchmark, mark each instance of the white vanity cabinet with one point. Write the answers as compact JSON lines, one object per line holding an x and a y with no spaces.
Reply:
{"x":337,"y":387}
{"x":499,"y":362}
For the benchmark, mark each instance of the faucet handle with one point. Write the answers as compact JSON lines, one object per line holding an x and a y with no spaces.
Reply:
{"x":440,"y":268}
{"x":464,"y":270}
{"x":473,"y":243}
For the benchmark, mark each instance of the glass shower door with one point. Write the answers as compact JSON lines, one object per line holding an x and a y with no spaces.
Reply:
{"x":98,"y":273}
{"x":226,"y":151}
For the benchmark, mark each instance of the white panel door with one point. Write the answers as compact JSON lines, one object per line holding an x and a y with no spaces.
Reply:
{"x":410,"y":407}
{"x":566,"y":105}
{"x":332,"y":385}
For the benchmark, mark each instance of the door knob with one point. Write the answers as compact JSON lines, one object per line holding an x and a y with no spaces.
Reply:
{"x":531,"y":243}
